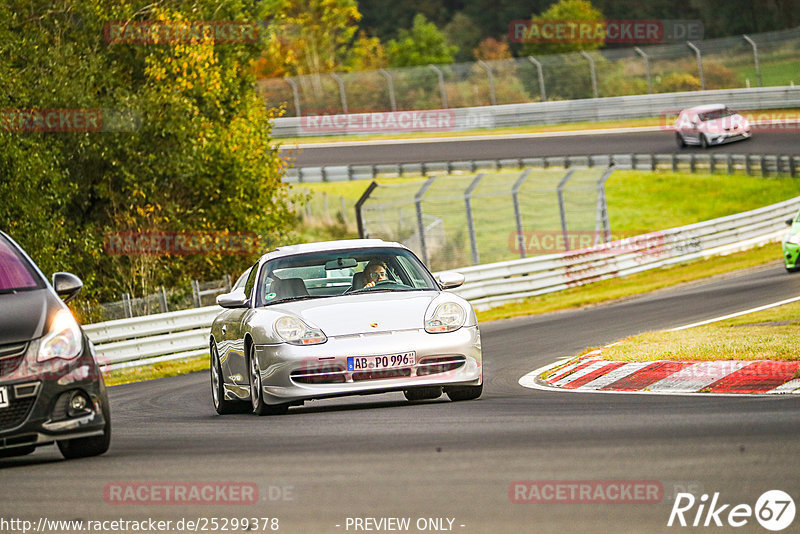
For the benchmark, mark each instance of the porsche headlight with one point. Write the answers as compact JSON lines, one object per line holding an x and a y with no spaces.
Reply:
{"x":293,"y":330}
{"x":63,"y":339}
{"x":448,"y":317}
{"x":793,"y":239}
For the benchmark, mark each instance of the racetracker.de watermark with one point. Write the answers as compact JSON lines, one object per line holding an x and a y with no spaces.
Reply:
{"x":605,"y":31}
{"x":434,"y":120}
{"x":553,"y":241}
{"x":177,"y":493}
{"x":180,"y":243}
{"x":62,"y":120}
{"x":154,"y":32}
{"x":586,"y":492}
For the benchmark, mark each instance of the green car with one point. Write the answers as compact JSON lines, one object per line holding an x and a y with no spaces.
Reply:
{"x":791,"y":244}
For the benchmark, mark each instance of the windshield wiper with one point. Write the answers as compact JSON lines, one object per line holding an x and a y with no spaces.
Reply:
{"x":299,"y":297}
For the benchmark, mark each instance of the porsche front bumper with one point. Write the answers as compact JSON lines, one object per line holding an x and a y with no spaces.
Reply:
{"x":291,"y":373}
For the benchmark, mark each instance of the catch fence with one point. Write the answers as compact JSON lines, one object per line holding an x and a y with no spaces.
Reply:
{"x":455,"y":220}
{"x":757,"y":60}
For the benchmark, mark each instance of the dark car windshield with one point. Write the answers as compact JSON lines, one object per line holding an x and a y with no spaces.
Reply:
{"x":342,"y":272}
{"x":16,"y":274}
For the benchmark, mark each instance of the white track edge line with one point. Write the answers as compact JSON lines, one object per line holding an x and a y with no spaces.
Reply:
{"x":737,"y":314}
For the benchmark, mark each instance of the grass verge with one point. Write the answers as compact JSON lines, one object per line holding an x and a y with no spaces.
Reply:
{"x":619,"y":288}
{"x":767,"y":335}
{"x":158,"y":370}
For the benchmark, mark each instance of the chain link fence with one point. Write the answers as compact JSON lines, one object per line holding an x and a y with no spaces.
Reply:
{"x":197,"y":295}
{"x":457,"y":220}
{"x":766,"y":59}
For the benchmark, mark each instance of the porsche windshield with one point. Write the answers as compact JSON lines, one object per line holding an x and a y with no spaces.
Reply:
{"x":344,"y":272}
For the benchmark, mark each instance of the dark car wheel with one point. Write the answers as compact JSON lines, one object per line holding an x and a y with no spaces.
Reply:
{"x":221,"y":404}
{"x":17,"y":451}
{"x":703,"y":141}
{"x":85,"y":447}
{"x":679,"y":140}
{"x":462,"y":393}
{"x":256,"y":398}
{"x":424,"y":393}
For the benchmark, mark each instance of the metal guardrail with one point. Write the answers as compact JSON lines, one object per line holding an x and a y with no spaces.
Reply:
{"x":691,"y":160}
{"x":557,"y":112}
{"x":170,"y":336}
{"x":491,"y":285}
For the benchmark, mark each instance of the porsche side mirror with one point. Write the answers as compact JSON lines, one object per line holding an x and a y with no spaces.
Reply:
{"x":234,"y":299}
{"x":67,"y":285}
{"x":450,"y":280}
{"x":789,"y":222}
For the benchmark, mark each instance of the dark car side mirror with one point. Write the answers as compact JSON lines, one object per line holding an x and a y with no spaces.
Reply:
{"x":67,"y":285}
{"x":789,"y":222}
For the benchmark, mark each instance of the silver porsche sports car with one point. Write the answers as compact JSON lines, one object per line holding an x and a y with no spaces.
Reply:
{"x":339,"y":318}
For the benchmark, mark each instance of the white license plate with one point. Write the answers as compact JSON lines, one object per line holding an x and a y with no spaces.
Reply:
{"x":373,"y":363}
{"x":4,"y":402}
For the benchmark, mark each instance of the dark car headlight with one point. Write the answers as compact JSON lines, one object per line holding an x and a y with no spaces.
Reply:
{"x":63,"y":339}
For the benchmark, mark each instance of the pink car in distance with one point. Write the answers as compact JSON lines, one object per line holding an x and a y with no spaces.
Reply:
{"x":710,"y":125}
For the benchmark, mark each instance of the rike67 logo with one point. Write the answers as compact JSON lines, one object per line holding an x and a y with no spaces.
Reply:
{"x":774,"y":510}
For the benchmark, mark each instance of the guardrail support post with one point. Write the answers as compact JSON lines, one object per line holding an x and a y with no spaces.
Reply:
{"x":517,"y":212}
{"x":592,"y":71}
{"x":390,"y":84}
{"x":747,"y":165}
{"x":473,"y":242}
{"x":764,"y":166}
{"x":492,"y":93}
{"x":541,"y":77}
{"x":126,"y":305}
{"x":442,"y":89}
{"x":699,"y":64}
{"x":295,"y":95}
{"x":755,"y":57}
{"x":562,"y":208}
{"x":420,"y":222}
{"x":602,"y":223}
{"x":162,"y":299}
{"x":730,"y":163}
{"x":364,"y":196}
{"x":342,"y":93}
{"x":646,"y":68}
{"x":196,"y":294}
{"x":792,"y":167}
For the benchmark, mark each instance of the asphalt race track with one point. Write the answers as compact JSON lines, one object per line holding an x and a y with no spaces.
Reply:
{"x":647,"y":142}
{"x":382,"y":457}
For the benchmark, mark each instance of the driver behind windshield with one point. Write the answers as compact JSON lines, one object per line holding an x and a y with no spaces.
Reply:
{"x":376,"y":272}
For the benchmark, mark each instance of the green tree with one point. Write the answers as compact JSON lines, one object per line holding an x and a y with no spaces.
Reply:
{"x":423,"y":44}
{"x":197,"y":156}
{"x":566,"y":11}
{"x":309,"y":36}
{"x":463,"y":32}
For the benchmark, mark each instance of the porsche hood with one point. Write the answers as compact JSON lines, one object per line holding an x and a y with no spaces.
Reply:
{"x":368,"y":312}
